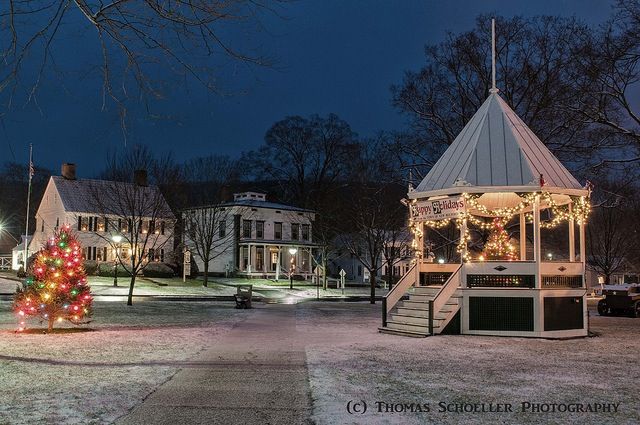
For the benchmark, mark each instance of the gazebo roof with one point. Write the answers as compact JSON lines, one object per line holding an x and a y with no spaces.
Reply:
{"x":495,"y":149}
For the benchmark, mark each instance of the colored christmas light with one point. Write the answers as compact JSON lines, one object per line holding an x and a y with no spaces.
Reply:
{"x":55,"y":284}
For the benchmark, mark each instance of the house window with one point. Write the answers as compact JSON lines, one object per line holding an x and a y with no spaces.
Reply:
{"x":259,"y":229}
{"x":305,"y":232}
{"x":42,"y":225}
{"x":277,"y":231}
{"x":151,"y":253}
{"x":245,"y":257}
{"x":359,"y":270}
{"x":106,"y":224}
{"x":162,"y":255}
{"x":246,"y":228}
{"x":152,"y":226}
{"x":100,"y":224}
{"x":57,"y":222}
{"x":222,"y":228}
{"x":162,"y":227}
{"x":295,"y":231}
{"x":259,"y":258}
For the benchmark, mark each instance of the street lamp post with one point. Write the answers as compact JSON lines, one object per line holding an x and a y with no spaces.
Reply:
{"x":292,"y":266}
{"x":116,"y":239}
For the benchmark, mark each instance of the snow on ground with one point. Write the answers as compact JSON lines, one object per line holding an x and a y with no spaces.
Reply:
{"x":217,"y":286}
{"x":95,"y":377}
{"x":357,"y":363}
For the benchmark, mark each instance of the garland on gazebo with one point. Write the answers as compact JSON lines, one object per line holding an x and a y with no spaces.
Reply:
{"x":578,"y":211}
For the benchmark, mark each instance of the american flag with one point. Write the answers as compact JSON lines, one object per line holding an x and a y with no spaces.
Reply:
{"x":32,"y":170}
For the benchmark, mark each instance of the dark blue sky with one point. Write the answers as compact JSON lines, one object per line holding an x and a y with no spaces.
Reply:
{"x":332,"y":56}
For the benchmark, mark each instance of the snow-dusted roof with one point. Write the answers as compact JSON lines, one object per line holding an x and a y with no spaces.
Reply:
{"x":497,"y":149}
{"x":79,"y":196}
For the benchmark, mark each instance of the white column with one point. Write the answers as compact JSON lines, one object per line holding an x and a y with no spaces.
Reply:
{"x":463,"y":232}
{"x":537,"y":250}
{"x":583,"y":247}
{"x":278,"y":265}
{"x":572,"y":237}
{"x":523,"y":238}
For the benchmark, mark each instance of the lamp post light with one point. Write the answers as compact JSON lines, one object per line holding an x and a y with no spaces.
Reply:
{"x":292,"y":266}
{"x":116,"y":240}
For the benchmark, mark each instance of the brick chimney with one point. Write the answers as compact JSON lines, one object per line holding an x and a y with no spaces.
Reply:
{"x":140,"y":178}
{"x":69,"y":171}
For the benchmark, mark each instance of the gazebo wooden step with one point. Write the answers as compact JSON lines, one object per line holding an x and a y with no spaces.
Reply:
{"x":412,"y":334}
{"x":415,"y":320}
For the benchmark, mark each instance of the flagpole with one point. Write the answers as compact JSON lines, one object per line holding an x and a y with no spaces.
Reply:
{"x":26,"y":227}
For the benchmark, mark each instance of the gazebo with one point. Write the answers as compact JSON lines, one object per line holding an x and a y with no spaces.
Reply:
{"x":497,"y":174}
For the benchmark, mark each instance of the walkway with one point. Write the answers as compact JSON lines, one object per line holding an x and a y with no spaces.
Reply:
{"x":257,"y":376}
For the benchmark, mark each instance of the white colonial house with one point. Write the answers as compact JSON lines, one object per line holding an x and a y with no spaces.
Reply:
{"x":103,"y":229}
{"x":257,"y":238}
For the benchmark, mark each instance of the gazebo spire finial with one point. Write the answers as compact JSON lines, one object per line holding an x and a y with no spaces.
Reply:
{"x":493,"y":89}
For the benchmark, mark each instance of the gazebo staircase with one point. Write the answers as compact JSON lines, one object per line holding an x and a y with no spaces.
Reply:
{"x":427,"y":311}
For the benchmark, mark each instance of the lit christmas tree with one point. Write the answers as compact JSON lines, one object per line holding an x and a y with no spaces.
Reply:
{"x":498,"y":246}
{"x":56,"y":286}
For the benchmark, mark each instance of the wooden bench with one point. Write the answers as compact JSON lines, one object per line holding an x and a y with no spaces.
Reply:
{"x":243,"y":296}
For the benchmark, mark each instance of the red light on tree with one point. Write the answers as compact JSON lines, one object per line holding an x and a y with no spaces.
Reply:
{"x":55,"y":290}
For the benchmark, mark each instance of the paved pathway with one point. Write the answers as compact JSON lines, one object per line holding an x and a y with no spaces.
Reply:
{"x":257,"y":376}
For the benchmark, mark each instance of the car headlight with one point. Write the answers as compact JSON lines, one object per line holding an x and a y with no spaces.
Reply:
{"x":604,"y":296}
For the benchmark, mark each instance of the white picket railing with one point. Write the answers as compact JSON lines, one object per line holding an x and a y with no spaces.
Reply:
{"x":397,"y":292}
{"x":5,"y":262}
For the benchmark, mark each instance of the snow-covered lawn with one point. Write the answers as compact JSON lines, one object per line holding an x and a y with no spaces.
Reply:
{"x":97,"y":376}
{"x":469,"y":369}
{"x":217,"y":286}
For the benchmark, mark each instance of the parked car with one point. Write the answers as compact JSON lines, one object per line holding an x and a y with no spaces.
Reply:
{"x":620,"y":299}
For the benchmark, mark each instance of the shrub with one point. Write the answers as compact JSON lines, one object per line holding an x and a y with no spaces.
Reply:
{"x":157,"y":270}
{"x":90,"y":267}
{"x":106,"y":270}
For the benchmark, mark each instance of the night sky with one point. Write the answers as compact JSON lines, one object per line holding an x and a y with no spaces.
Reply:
{"x":331,"y":56}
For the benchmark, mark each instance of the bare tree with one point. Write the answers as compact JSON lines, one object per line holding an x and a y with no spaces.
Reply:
{"x":130,"y":38}
{"x":611,"y":242}
{"x":607,"y":72}
{"x":395,"y":249}
{"x":205,"y":221}
{"x":536,"y":63}
{"x":373,"y":209}
{"x":135,"y":209}
{"x":308,"y":156}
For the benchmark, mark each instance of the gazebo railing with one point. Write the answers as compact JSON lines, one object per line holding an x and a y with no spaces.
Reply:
{"x":397,"y":292}
{"x":5,"y":262}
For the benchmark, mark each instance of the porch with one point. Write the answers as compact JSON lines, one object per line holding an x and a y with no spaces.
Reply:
{"x":275,"y":260}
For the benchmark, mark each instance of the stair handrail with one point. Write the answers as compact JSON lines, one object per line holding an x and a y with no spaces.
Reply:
{"x":397,"y":292}
{"x":446,"y":291}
